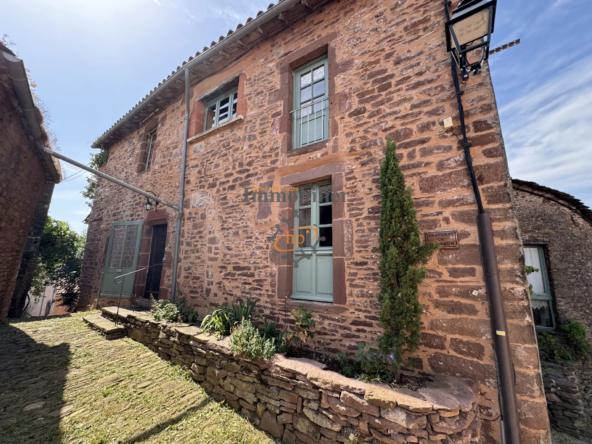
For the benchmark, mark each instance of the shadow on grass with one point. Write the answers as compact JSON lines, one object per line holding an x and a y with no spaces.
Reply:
{"x":32,"y":381}
{"x":143,"y":436}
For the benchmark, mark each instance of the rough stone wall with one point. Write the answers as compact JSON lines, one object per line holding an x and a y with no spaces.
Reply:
{"x":28,"y":262}
{"x":300,"y":402}
{"x":568,"y":387}
{"x":22,"y":180}
{"x":567,"y":240}
{"x":390,"y":78}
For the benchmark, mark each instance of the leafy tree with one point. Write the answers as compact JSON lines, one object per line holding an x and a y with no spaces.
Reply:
{"x":96,"y":160}
{"x":59,"y":262}
{"x":402,"y":265}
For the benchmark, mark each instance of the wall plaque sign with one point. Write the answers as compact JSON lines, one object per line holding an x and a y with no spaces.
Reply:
{"x":446,"y":239}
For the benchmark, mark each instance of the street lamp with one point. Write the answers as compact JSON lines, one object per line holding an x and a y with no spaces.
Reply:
{"x":470,"y":28}
{"x":148,"y":203}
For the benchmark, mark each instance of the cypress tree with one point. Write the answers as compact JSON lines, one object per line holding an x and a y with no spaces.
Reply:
{"x":402,"y":266}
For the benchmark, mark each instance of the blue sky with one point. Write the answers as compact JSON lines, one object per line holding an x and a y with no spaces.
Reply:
{"x":94,"y":60}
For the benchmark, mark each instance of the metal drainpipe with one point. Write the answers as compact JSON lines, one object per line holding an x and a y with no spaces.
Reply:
{"x":181,"y":190}
{"x":499,"y":328}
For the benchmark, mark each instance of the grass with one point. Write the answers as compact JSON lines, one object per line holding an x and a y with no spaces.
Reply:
{"x":66,"y":384}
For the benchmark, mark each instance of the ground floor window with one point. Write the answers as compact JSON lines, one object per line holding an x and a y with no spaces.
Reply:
{"x":541,"y":299}
{"x":312,"y":243}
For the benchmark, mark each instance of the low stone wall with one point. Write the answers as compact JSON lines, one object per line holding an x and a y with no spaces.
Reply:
{"x":568,"y":388}
{"x":300,"y":402}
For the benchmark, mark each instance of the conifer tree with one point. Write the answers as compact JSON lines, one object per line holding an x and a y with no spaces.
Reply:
{"x":402,"y":266}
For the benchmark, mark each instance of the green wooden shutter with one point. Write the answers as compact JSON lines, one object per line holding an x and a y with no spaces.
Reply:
{"x":122,"y":258}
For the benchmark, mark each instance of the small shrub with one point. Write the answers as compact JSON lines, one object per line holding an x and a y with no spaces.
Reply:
{"x":303,"y":329}
{"x":165,"y":311}
{"x":225,"y":317}
{"x":347,"y":368}
{"x":374,"y":366}
{"x":246,"y":340}
{"x":242,"y":310}
{"x":178,"y":311}
{"x":576,"y":338}
{"x":219,"y":321}
{"x":270,"y":331}
{"x":188,"y":314}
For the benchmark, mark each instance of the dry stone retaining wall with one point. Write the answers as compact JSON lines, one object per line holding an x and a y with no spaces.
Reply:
{"x":300,"y":402}
{"x":568,"y":388}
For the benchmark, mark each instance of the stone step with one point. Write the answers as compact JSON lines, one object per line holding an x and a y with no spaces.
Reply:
{"x":104,"y":326}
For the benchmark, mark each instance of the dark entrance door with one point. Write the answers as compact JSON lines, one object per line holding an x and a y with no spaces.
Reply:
{"x":156,"y":255}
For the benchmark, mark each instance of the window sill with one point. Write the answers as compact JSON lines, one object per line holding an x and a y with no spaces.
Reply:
{"x":317,"y":146}
{"x":215,"y":129}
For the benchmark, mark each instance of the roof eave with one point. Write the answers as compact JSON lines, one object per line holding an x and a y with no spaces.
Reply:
{"x":252,"y":26}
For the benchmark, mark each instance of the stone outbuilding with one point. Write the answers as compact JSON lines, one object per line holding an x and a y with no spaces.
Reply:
{"x":303,"y":97}
{"x":27,"y":175}
{"x":556,"y":230}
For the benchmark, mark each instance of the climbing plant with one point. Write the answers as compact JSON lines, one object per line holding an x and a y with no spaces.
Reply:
{"x":402,"y":266}
{"x":96,"y":161}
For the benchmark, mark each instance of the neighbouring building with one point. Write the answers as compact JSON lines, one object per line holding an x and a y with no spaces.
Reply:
{"x":27,"y":175}
{"x":304,"y":97}
{"x":556,"y":229}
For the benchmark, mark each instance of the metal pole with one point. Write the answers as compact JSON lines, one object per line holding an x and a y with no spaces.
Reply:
{"x":181,"y":189}
{"x":119,"y":300}
{"x":109,"y":178}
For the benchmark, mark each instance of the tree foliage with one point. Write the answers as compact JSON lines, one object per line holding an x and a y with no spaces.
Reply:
{"x":402,"y":265}
{"x":59,"y":262}
{"x":96,"y":160}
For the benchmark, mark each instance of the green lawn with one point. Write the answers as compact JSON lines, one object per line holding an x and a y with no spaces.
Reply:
{"x":60,"y":382}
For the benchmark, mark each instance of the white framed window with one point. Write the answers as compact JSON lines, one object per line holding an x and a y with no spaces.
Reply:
{"x":221,"y":109}
{"x":150,"y":150}
{"x":310,"y":116}
{"x":541,"y":299}
{"x":313,"y":243}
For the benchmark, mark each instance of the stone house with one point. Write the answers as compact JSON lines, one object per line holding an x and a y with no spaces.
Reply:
{"x":306,"y":100}
{"x":27,"y":175}
{"x":556,"y":229}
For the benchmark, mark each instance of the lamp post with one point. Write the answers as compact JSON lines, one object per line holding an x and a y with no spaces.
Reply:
{"x":148,"y":203}
{"x":469,"y":28}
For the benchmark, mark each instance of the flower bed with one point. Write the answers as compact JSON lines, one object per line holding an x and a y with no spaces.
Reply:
{"x":301,"y":402}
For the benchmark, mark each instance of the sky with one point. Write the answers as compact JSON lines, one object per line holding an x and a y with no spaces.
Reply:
{"x":93,"y":61}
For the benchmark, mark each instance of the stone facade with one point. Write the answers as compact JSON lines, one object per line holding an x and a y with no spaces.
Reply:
{"x":562,"y":225}
{"x":300,"y":402}
{"x":23,"y":178}
{"x":389,"y":76}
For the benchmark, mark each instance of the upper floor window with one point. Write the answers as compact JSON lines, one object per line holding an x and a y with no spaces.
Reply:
{"x":150,"y":150}
{"x":310,"y":117}
{"x":221,"y":109}
{"x":541,"y":299}
{"x":312,"y":242}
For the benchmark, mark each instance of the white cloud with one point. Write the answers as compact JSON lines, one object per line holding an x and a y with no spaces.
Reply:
{"x":548,"y":132}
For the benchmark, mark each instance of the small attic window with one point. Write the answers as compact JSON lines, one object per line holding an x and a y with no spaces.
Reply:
{"x":220,"y":109}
